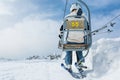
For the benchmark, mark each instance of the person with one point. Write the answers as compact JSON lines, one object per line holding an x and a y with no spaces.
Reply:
{"x":75,"y":10}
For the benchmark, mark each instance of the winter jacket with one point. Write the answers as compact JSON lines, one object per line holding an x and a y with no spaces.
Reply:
{"x":75,"y":36}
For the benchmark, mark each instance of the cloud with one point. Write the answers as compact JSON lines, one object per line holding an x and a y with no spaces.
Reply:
{"x":4,"y":9}
{"x":13,"y":11}
{"x":31,"y":36}
{"x":102,"y":3}
{"x":28,"y":31}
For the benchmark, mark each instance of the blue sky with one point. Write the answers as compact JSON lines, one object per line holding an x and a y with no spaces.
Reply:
{"x":31,"y":27}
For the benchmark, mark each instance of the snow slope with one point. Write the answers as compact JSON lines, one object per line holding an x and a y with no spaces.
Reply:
{"x":106,"y":59}
{"x":106,"y":63}
{"x":32,"y":70}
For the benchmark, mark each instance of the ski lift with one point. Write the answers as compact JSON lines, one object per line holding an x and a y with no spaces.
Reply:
{"x":112,"y":24}
{"x":80,"y":26}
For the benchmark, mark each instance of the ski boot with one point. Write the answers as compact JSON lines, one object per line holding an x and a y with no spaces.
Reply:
{"x":69,"y":67}
{"x":80,"y":67}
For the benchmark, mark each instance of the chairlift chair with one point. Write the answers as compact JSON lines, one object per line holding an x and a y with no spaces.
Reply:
{"x":79,"y":26}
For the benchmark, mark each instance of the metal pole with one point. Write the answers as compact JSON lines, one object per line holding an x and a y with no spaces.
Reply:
{"x":89,"y":16}
{"x":65,"y":9}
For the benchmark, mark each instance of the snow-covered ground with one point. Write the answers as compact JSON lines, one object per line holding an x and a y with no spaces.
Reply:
{"x":106,"y":59}
{"x":106,"y":64}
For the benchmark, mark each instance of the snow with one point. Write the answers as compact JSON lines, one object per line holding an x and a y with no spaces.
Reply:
{"x":106,"y":59}
{"x":32,"y":70}
{"x":106,"y":65}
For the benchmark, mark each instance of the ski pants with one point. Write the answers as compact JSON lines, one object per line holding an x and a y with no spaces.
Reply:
{"x":68,"y":57}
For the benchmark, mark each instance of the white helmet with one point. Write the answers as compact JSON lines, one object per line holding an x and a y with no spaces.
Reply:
{"x":75,"y":6}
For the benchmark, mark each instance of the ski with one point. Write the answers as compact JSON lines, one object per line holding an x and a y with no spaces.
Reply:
{"x":74,"y":75}
{"x":81,"y":71}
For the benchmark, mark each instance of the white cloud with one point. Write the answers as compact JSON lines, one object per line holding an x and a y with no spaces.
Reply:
{"x":26,"y":30}
{"x":4,"y":9}
{"x":31,"y":36}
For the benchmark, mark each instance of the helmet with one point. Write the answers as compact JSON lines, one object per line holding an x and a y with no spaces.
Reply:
{"x":75,"y":6}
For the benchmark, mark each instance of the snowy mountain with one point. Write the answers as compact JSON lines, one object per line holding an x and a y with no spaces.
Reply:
{"x":49,"y":57}
{"x":106,"y":65}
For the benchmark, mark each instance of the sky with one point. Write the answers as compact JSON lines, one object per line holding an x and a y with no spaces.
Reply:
{"x":31,"y":27}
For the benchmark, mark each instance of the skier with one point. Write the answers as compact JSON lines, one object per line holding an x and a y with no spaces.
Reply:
{"x":75,"y":10}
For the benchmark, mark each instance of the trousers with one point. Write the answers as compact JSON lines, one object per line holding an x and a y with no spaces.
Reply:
{"x":68,"y":57}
